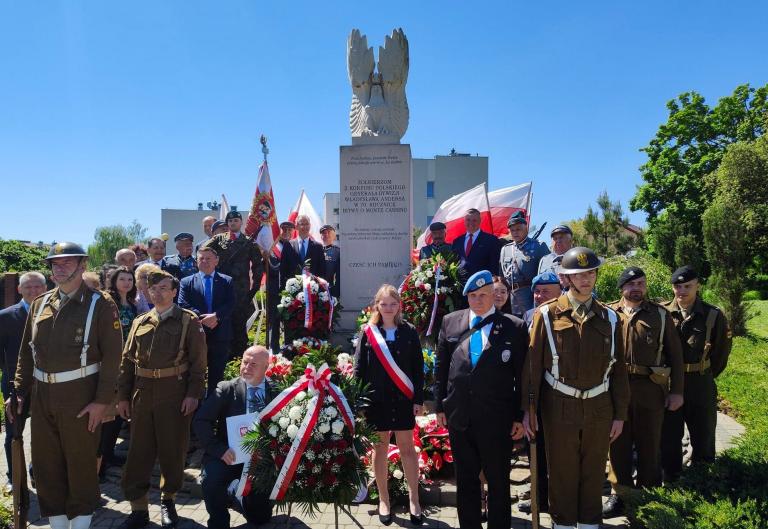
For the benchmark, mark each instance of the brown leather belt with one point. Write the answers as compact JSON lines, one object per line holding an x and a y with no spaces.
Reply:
{"x":163,"y":372}
{"x":635,"y":369}
{"x":698,"y":367}
{"x":521,"y":284}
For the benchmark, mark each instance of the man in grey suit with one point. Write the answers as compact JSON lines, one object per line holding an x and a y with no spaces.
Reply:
{"x":248,"y":393}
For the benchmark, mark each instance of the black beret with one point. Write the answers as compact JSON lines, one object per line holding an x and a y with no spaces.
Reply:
{"x":234,"y":215}
{"x":183,"y":236}
{"x":684,"y":274}
{"x":518,"y":217}
{"x":629,"y":274}
{"x":562,"y":228}
{"x":327,"y":227}
{"x":436,"y":226}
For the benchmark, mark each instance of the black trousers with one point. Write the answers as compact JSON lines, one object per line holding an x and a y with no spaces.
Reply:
{"x":218,"y":356}
{"x":273,"y":298}
{"x":243,"y":310}
{"x":217,"y":475}
{"x":490,"y":451}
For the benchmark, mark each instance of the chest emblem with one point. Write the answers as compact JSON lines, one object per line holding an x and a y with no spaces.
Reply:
{"x":506,"y":354}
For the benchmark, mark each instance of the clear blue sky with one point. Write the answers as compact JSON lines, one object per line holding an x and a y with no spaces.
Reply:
{"x":110,"y":111}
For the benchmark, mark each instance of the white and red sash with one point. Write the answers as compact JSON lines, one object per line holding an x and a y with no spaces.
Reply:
{"x":379,"y":346}
{"x":277,"y":250}
{"x":308,"y":316}
{"x":434,"y":302}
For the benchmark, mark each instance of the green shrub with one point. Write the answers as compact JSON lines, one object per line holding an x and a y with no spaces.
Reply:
{"x":657,"y":276}
{"x":752,"y":295}
{"x":232,"y":369}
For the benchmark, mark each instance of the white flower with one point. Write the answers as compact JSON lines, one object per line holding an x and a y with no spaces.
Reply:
{"x":337,"y":427}
{"x":343,"y":359}
{"x":295,"y":413}
{"x":354,"y":341}
{"x":310,"y":455}
{"x":427,"y":286}
{"x":324,"y":427}
{"x":313,"y":287}
{"x":417,"y":448}
{"x":397,"y":474}
{"x":301,"y":395}
{"x":417,"y":283}
{"x":284,"y":422}
{"x":286,"y":300}
{"x":297,"y":343}
{"x":330,"y":412}
{"x":323,"y":296}
{"x":300,"y":296}
{"x":316,"y":469}
{"x":429,"y":273}
{"x":292,"y":431}
{"x":293,"y":285}
{"x":273,"y":431}
{"x":275,"y":417}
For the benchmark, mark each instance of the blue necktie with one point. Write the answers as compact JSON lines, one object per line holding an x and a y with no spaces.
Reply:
{"x":303,"y":250}
{"x":255,"y":399}
{"x":475,"y":342}
{"x":209,"y":293}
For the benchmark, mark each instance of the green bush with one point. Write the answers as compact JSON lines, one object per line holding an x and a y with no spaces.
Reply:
{"x":232,"y":369}
{"x":657,"y":276}
{"x":752,"y":295}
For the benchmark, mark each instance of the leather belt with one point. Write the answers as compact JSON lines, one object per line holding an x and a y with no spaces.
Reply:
{"x":66,"y":376}
{"x":698,"y":367}
{"x":635,"y":369}
{"x":521,"y":284}
{"x":573,"y":392}
{"x":163,"y":372}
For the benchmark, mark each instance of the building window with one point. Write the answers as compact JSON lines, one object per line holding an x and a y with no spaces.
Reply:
{"x":429,"y":219}
{"x":430,"y":189}
{"x":335,"y":211}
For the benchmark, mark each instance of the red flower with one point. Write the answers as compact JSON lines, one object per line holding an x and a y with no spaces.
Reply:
{"x":329,"y":479}
{"x":340,"y":459}
{"x":284,"y":448}
{"x":437,"y":461}
{"x":279,"y":460}
{"x":317,"y":448}
{"x":311,"y":481}
{"x":448,"y":457}
{"x":273,"y":444}
{"x":342,"y":444}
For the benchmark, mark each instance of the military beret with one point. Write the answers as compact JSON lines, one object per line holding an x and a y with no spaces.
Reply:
{"x":218,"y":224}
{"x":155,"y":277}
{"x":234,"y":215}
{"x":629,"y":274}
{"x":478,"y":280}
{"x":327,"y":227}
{"x":684,"y":274}
{"x":183,"y":236}
{"x":436,"y":226}
{"x":545,"y":278}
{"x":287,"y":224}
{"x":562,"y":228}
{"x":518,"y":217}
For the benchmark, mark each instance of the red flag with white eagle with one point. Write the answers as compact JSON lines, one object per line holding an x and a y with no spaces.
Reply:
{"x":263,"y":212}
{"x":304,"y":207}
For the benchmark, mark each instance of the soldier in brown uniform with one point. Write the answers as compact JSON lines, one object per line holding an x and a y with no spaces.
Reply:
{"x":655,"y":366}
{"x":162,"y":377}
{"x":576,"y":373}
{"x":706,"y":342}
{"x":240,"y":258}
{"x":68,"y":361}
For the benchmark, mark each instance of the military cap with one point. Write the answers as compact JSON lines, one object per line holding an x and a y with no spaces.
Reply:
{"x":183,"y":236}
{"x":478,"y":280}
{"x":436,"y":226}
{"x":629,"y":274}
{"x":65,"y":249}
{"x":218,"y":224}
{"x":579,"y":259}
{"x":155,"y":277}
{"x":327,"y":227}
{"x":545,"y":278}
{"x":518,"y":217}
{"x":287,"y":224}
{"x":684,"y":274}
{"x":234,"y":215}
{"x":562,"y":228}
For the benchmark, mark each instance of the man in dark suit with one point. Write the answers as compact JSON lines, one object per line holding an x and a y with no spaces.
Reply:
{"x":437,"y":231}
{"x":480,"y":356}
{"x":332,"y":271}
{"x":12,"y":320}
{"x":306,"y":248}
{"x":248,"y":393}
{"x":476,"y":249}
{"x":283,"y":264}
{"x":211,"y":296}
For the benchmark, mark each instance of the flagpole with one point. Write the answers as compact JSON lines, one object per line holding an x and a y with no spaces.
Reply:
{"x":266,"y":254}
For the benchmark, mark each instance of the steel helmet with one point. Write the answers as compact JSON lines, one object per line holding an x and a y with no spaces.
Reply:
{"x":65,"y":249}
{"x":579,"y":259}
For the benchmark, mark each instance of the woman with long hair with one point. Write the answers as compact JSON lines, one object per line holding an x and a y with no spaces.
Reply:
{"x":501,"y":295}
{"x":389,"y":359}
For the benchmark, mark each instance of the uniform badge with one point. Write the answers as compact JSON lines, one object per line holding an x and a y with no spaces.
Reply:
{"x":526,"y":258}
{"x":116,"y":324}
{"x":505,"y":355}
{"x":582,"y":259}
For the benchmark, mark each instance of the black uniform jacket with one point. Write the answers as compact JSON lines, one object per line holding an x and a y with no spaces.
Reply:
{"x":487,"y":396}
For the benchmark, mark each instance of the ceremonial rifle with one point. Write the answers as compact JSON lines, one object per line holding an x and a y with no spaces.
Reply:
{"x":19,"y":474}
{"x":533,"y":459}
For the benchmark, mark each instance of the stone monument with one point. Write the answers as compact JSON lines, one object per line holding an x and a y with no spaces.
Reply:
{"x":375,"y":204}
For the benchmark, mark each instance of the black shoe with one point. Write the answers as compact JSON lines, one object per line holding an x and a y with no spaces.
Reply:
{"x":385,"y":519}
{"x":168,"y":516}
{"x":524,"y":506}
{"x":417,"y":520}
{"x":613,"y":506}
{"x":136,"y":520}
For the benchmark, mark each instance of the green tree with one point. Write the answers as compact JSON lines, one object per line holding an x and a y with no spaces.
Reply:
{"x":106,"y":241}
{"x":605,"y":229}
{"x":685,"y":149}
{"x":137,"y":232}
{"x":16,"y":256}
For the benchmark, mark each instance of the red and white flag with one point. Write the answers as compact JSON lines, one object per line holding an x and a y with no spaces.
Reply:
{"x":304,"y":207}
{"x":263,"y":212}
{"x":452,"y":211}
{"x":506,"y":201}
{"x":223,"y":207}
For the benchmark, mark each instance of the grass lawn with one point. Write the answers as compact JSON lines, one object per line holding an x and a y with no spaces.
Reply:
{"x":732,"y":493}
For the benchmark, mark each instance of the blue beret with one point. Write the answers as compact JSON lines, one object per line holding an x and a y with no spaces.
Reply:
{"x":478,"y":280}
{"x":183,"y":236}
{"x":545,"y":278}
{"x":218,"y":224}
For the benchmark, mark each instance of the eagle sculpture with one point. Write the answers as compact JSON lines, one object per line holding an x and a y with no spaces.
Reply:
{"x":379,"y":112}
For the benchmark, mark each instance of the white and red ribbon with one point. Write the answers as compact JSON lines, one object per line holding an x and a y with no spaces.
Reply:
{"x":277,"y":250}
{"x":308,"y":316}
{"x":379,"y":346}
{"x":324,"y":284}
{"x":319,"y":383}
{"x":434,"y":303}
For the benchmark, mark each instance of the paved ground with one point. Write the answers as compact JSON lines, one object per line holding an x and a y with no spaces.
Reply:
{"x":438,"y":501}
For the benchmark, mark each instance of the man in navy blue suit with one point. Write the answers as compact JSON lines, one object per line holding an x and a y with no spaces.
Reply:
{"x":12,"y":320}
{"x":211,"y":296}
{"x":476,"y":249}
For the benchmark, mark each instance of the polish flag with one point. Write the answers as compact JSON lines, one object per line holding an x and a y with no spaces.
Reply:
{"x":504,"y":202}
{"x":452,"y":211}
{"x":263,"y":212}
{"x":223,"y":207}
{"x":304,"y":207}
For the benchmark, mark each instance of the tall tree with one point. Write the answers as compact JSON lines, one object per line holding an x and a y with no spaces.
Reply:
{"x":106,"y":241}
{"x":16,"y":256}
{"x":136,"y":231}
{"x":605,"y":229}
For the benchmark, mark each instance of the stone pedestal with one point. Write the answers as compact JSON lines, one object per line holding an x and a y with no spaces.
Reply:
{"x":374,"y":222}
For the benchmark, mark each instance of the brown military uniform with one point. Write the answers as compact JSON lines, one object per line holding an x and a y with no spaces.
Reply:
{"x":699,"y":411}
{"x":156,"y":378}
{"x":642,"y":333}
{"x":63,"y":450}
{"x":576,"y":430}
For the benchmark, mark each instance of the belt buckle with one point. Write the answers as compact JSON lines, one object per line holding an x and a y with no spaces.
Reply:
{"x":579,"y":394}
{"x":155,"y":373}
{"x":50,"y":378}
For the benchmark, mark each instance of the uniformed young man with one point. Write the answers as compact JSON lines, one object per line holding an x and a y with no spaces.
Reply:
{"x":519,"y":263}
{"x":480,"y":354}
{"x":162,"y":378}
{"x":241,"y":259}
{"x":332,"y":259}
{"x":438,"y":245}
{"x":706,"y":342}
{"x":68,"y":362}
{"x":182,"y":264}
{"x":578,"y":378}
{"x":655,"y":366}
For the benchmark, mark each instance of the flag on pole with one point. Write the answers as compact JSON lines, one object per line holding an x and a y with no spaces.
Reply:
{"x":452,"y":211}
{"x":506,"y":201}
{"x":304,"y":207}
{"x":263,"y":211}
{"x":223,"y":207}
